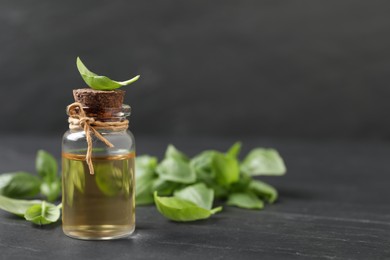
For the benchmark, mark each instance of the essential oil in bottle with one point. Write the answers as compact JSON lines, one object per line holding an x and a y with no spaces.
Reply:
{"x":99,"y":205}
{"x":98,"y":200}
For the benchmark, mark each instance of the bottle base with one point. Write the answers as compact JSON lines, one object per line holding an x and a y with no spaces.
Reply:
{"x":101,"y":232}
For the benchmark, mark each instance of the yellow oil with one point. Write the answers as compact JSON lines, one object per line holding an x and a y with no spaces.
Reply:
{"x":99,"y":206}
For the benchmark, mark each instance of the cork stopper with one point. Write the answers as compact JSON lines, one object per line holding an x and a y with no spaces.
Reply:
{"x":99,"y":103}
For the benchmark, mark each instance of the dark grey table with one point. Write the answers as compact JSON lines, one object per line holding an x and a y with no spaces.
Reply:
{"x":334,"y":204}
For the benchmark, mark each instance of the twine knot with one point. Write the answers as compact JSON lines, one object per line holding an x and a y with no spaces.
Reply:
{"x":78,"y":119}
{"x":86,"y":120}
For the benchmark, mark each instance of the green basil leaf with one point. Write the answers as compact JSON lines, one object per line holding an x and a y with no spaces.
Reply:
{"x":51,"y":190}
{"x":205,"y":172}
{"x":74,"y":177}
{"x":263,"y":190}
{"x":145,"y":165}
{"x":245,"y":200}
{"x":43,"y":213}
{"x":77,"y":175}
{"x":164,"y":187}
{"x":181,"y":210}
{"x":202,"y":164}
{"x":100,"y":82}
{"x":5,"y":178}
{"x":108,"y":178}
{"x":175,"y":170}
{"x":17,"y":207}
{"x":144,"y":176}
{"x":241,"y":185}
{"x":198,"y":194}
{"x":262,"y":161}
{"x":46,"y":166}
{"x":128,"y":179}
{"x":220,"y":192}
{"x":172,"y":152}
{"x":143,"y":191}
{"x":19,"y":185}
{"x":234,"y":151}
{"x":226,"y":169}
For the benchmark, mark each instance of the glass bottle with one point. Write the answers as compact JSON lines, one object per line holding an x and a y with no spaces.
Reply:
{"x":99,"y":206}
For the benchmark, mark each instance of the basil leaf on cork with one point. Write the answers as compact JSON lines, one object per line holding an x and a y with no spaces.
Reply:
{"x":100,"y":82}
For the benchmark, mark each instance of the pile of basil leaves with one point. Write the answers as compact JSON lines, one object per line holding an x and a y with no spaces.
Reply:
{"x":185,"y":189}
{"x":182,"y":188}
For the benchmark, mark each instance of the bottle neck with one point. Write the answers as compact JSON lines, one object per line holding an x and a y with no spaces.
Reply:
{"x":103,"y":114}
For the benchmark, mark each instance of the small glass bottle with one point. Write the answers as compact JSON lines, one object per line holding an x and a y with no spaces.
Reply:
{"x":99,"y":206}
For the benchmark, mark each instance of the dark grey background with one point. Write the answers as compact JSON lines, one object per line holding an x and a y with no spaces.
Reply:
{"x":317,"y":69}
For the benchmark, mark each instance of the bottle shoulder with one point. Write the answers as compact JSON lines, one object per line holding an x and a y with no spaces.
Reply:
{"x":123,"y":140}
{"x":80,"y":134}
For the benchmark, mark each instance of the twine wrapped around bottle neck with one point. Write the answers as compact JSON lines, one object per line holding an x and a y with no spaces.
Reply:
{"x":78,"y":119}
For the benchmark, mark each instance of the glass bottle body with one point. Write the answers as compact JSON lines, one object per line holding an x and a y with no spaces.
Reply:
{"x":99,"y":206}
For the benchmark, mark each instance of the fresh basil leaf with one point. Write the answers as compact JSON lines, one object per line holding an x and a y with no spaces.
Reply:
{"x":5,"y":178}
{"x":241,"y":185}
{"x":143,"y":191}
{"x":108,"y":178}
{"x":17,"y":207}
{"x":100,"y":82}
{"x":226,"y":169}
{"x":262,"y":161}
{"x":128,"y":179}
{"x":263,"y":190}
{"x":19,"y":185}
{"x":234,"y":151}
{"x":51,"y":190}
{"x":77,"y":175}
{"x":145,"y":165}
{"x":198,"y":194}
{"x":245,"y":200}
{"x":145,"y":175}
{"x":164,"y":187}
{"x":205,"y":172}
{"x":46,"y":166}
{"x":220,"y":192}
{"x":74,"y":177}
{"x":172,"y":152}
{"x":68,"y":186}
{"x":175,"y":170}
{"x":181,"y":210}
{"x":202,"y":164}
{"x":43,"y":213}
